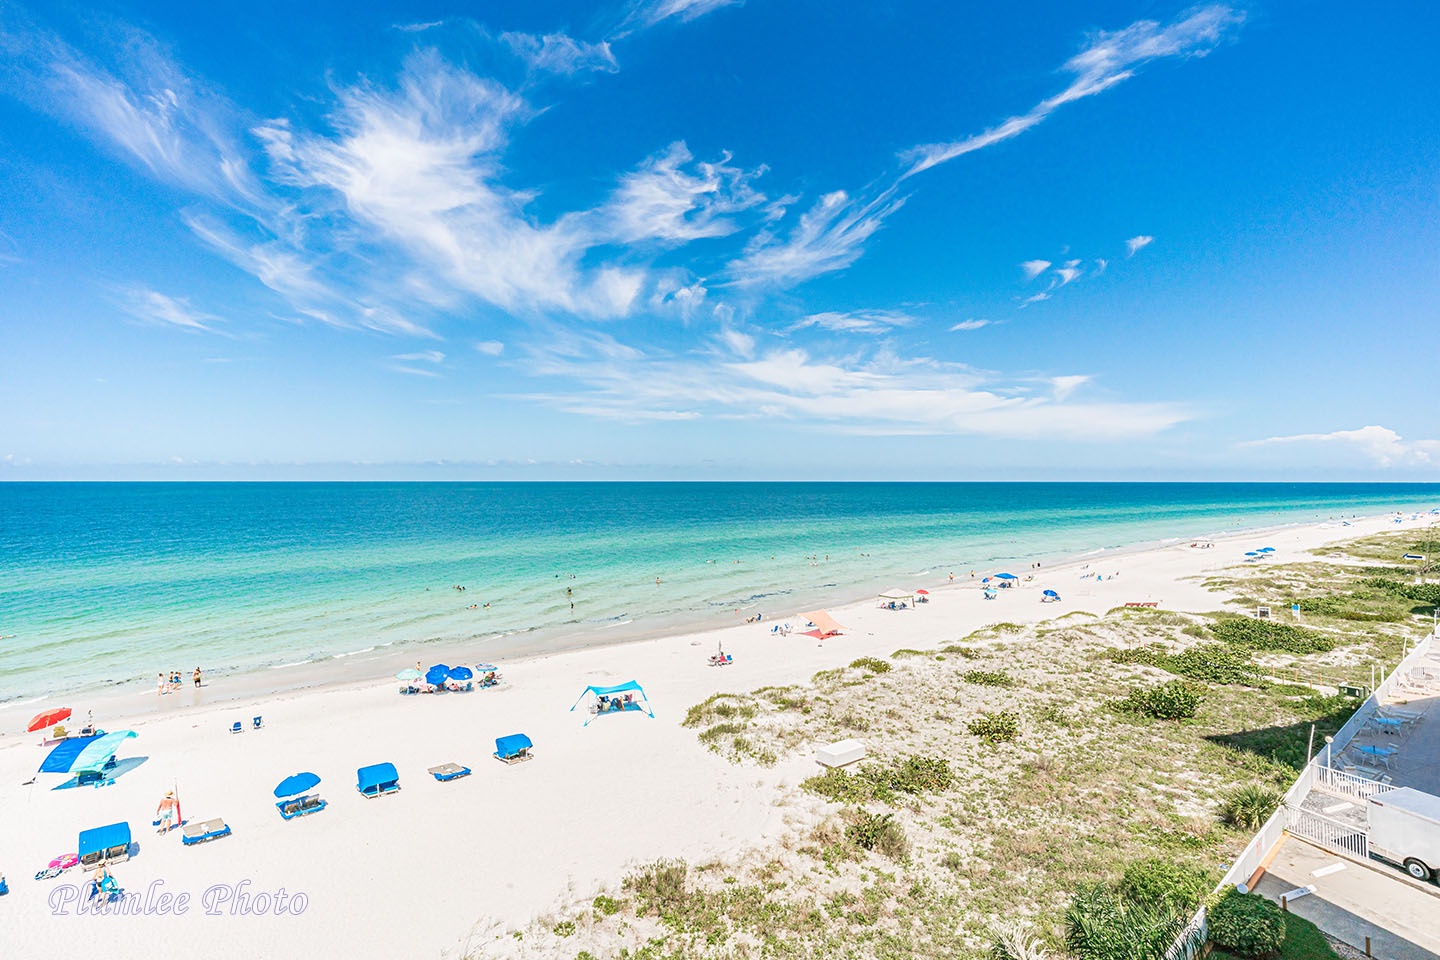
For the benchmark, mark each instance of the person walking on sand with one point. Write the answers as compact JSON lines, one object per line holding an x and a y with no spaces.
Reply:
{"x":166,"y":812}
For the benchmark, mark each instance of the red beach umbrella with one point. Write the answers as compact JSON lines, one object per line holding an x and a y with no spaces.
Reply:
{"x":48,"y":719}
{"x":923,"y":593}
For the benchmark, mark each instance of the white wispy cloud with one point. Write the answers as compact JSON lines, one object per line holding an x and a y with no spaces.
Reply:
{"x":1108,"y":58}
{"x":418,"y":27}
{"x":491,"y":348}
{"x":154,"y":307}
{"x":1100,"y":266}
{"x":855,"y":321}
{"x":422,"y":356}
{"x":650,"y":12}
{"x":560,"y":53}
{"x":1062,"y":387}
{"x":1070,"y":271}
{"x":663,"y":200}
{"x":1033,"y":268}
{"x":1035,"y":298}
{"x":970,"y":325}
{"x":1135,"y":244}
{"x":1381,"y":445}
{"x":883,"y":395}
{"x":829,"y":236}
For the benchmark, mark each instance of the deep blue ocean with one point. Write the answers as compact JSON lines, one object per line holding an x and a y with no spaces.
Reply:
{"x":105,"y":583}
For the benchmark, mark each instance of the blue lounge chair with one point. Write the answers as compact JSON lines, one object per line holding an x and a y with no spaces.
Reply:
{"x":107,"y":844}
{"x":377,"y":780}
{"x":258,"y":722}
{"x":300,"y":806}
{"x":237,"y":727}
{"x":514,"y":748}
{"x":448,"y":771}
{"x":205,"y":830}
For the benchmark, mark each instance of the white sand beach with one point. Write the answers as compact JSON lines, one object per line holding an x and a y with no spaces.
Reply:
{"x":439,"y":867}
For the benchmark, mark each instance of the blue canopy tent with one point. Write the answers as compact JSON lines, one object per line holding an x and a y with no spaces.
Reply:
{"x":514,"y":748}
{"x":295,"y":797}
{"x":377,"y":780}
{"x":607,"y":701}
{"x":1007,"y":579}
{"x":108,"y":844}
{"x":86,"y":757}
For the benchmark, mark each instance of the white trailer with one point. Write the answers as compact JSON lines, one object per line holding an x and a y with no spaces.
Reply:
{"x":1405,"y":829}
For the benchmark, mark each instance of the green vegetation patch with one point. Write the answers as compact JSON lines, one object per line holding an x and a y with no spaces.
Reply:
{"x":999,"y":727}
{"x":1269,"y":635}
{"x":913,"y":775}
{"x":1174,"y":700}
{"x":988,"y":678}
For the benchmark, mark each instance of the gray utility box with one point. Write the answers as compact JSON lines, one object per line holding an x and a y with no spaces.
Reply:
{"x":1405,"y":829}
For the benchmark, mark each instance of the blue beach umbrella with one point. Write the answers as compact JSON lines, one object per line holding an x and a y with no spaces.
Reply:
{"x":84,"y":754}
{"x":296,"y":784}
{"x":1006,"y":576}
{"x":1050,"y":593}
{"x":409,"y":673}
{"x":460,"y":673}
{"x":1251,"y":553}
{"x":437,"y":675}
{"x":1266,"y":550}
{"x":486,"y":667}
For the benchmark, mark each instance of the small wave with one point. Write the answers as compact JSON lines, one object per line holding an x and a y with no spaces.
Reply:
{"x":617,"y":623}
{"x":293,"y":663}
{"x":341,"y":656}
{"x":920,"y":574}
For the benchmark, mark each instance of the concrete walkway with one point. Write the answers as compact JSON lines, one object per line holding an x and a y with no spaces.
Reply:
{"x":1400,"y":916}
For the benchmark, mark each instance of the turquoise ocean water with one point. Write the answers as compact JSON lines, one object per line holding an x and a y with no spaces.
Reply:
{"x":106,"y":583}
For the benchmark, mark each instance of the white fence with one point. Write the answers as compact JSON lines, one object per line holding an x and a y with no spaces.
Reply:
{"x":1344,"y":784}
{"x":1335,"y":835}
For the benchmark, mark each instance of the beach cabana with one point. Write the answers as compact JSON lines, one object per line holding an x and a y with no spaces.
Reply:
{"x":107,"y":844}
{"x":86,"y":757}
{"x":377,"y":780}
{"x":825,"y":625}
{"x":617,"y":699}
{"x":896,"y":599}
{"x":514,"y":748}
{"x":296,"y":800}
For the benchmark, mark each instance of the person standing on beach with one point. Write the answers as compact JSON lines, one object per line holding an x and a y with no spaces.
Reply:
{"x":165,"y":813}
{"x":197,"y":678}
{"x":159,"y":684}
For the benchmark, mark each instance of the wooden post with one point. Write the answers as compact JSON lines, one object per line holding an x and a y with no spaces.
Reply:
{"x":1285,"y":904}
{"x":1367,"y":947}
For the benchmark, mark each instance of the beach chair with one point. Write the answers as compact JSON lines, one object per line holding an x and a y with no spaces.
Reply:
{"x":446,"y":772}
{"x":257,"y":723}
{"x":59,"y":733}
{"x":237,"y":727}
{"x":205,"y":830}
{"x":515,"y":748}
{"x":377,"y":780}
{"x":300,"y":806}
{"x":107,"y":844}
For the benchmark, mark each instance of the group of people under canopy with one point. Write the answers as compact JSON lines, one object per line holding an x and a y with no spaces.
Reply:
{"x":616,"y":699}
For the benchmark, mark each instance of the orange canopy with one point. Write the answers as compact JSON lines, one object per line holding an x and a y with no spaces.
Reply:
{"x":826,"y":623}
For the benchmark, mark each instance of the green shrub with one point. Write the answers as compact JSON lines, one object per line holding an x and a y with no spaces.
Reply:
{"x":1158,"y":882}
{"x":1247,"y":924}
{"x":988,"y":678}
{"x":1175,"y":700}
{"x":1426,"y":593}
{"x":1249,"y":806}
{"x":1210,"y":662}
{"x":606,"y":906}
{"x":565,"y":928}
{"x":1000,"y":727}
{"x":873,"y":664}
{"x":912,"y":775}
{"x":878,"y":832}
{"x":1270,"y":635}
{"x":658,"y":887}
{"x":1099,"y":925}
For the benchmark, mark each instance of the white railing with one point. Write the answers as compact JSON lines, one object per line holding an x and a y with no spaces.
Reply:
{"x":1344,"y":784}
{"x":1334,"y":834}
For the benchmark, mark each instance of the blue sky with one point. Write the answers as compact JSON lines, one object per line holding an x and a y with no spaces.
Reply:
{"x":705,"y":239}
